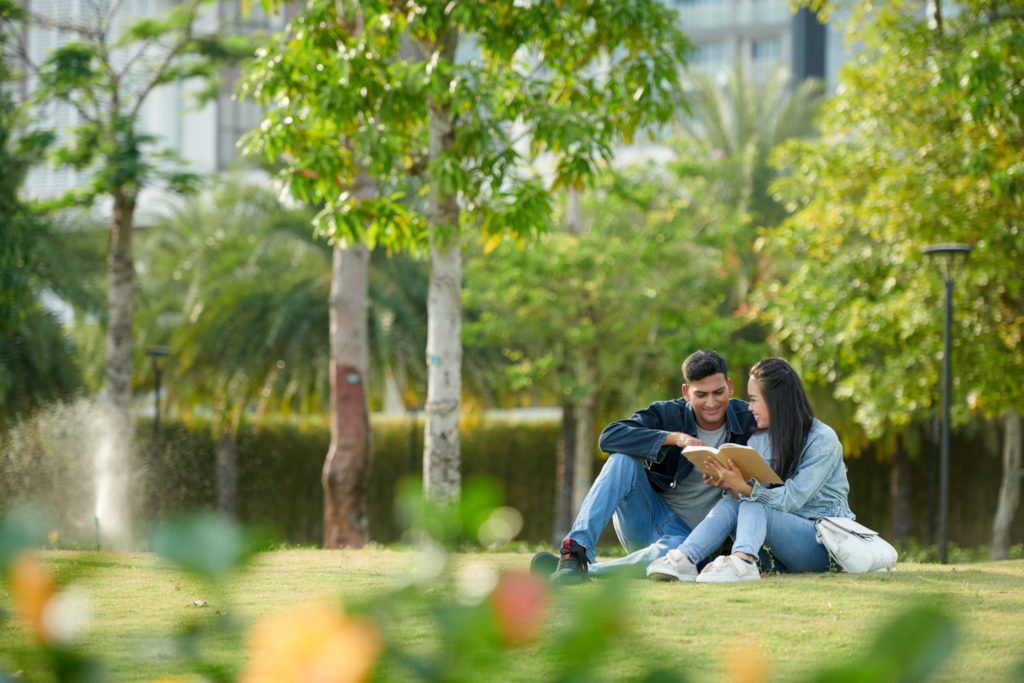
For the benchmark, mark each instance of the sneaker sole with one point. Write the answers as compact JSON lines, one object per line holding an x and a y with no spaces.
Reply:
{"x":727,"y":579}
{"x":666,"y":576}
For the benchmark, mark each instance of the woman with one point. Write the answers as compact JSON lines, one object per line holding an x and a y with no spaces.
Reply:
{"x":807,"y":456}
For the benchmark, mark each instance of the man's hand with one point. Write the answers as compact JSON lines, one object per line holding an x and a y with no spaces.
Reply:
{"x":682,"y":440}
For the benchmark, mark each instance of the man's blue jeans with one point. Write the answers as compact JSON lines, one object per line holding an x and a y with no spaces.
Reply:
{"x":789,"y":538}
{"x":646,"y":526}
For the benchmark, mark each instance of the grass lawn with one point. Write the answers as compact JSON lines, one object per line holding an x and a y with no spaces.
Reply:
{"x":794,"y":624}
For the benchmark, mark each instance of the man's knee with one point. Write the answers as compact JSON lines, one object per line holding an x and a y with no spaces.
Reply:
{"x":623,"y":464}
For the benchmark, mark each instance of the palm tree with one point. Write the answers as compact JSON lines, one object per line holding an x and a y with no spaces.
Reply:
{"x":37,"y":359}
{"x":725,"y":145}
{"x":239,"y":288}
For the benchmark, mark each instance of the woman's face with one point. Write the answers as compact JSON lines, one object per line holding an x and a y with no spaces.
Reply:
{"x":758,"y":407}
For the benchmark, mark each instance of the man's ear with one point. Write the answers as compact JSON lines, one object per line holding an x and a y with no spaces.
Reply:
{"x":686,"y":392}
{"x":729,"y":382}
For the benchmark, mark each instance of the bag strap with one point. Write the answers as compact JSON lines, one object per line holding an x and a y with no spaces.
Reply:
{"x":848,"y":525}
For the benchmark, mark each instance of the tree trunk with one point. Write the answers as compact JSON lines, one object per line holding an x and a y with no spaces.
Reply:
{"x":574,"y":212}
{"x":564,"y":466}
{"x":1009,"y":491}
{"x":227,"y":473}
{"x":900,"y":493}
{"x":441,"y":456}
{"x":586,"y":420}
{"x":348,"y":459}
{"x":111,"y":464}
{"x":442,"y":478}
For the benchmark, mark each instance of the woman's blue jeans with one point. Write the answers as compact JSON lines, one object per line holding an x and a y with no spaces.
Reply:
{"x":646,"y":526}
{"x":790,"y":539}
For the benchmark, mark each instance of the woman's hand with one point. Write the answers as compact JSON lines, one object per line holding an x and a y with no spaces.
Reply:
{"x":712,"y":481}
{"x":728,"y":477}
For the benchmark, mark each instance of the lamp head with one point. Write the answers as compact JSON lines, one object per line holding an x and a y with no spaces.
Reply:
{"x":948,"y":253}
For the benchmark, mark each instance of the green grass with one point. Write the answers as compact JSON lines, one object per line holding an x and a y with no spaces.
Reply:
{"x":797,"y":624}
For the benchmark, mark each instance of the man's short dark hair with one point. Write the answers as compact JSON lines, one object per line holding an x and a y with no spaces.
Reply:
{"x":703,"y":363}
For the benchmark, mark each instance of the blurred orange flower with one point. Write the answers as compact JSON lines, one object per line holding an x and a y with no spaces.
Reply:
{"x":520,"y":604}
{"x":312,"y":644}
{"x":745,"y":664}
{"x":32,"y":587}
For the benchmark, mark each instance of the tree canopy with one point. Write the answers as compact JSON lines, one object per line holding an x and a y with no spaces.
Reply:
{"x":922,"y":144}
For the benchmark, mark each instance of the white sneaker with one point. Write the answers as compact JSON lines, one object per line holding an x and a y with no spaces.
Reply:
{"x":674,"y":566}
{"x":729,"y":568}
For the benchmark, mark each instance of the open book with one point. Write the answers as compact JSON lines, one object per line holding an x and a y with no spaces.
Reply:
{"x":746,"y":458}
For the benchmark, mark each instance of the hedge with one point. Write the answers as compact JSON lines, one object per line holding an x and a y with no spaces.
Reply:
{"x":279,"y":464}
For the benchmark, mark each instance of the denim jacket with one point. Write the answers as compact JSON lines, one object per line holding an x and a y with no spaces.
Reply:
{"x":642,"y":434}
{"x":818,"y":487}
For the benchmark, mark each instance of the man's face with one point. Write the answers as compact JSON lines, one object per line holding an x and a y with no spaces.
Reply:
{"x":709,"y":398}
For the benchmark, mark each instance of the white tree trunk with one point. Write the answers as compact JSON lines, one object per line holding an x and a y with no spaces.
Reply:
{"x":586,"y":421}
{"x":574,"y":212}
{"x":1009,"y":491}
{"x":347,"y":464}
{"x":441,"y":456}
{"x":442,"y":477}
{"x":111,"y":465}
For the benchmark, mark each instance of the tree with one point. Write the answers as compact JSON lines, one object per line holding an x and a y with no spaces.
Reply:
{"x":723,"y":149}
{"x":36,"y":358}
{"x":688,"y":226}
{"x":106,"y":70}
{"x":590,"y":319}
{"x":567,"y":79}
{"x":238,"y":289}
{"x":15,"y":292}
{"x":922,"y":144}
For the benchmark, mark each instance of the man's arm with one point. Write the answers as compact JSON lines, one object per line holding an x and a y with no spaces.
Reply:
{"x":648,"y":432}
{"x":682,"y":440}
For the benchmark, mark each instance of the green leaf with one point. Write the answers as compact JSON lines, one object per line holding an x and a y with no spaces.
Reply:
{"x":910,"y":648}
{"x":209,"y":544}
{"x":21,"y":529}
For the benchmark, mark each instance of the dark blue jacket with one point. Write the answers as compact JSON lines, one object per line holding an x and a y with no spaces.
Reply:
{"x":641,"y":436}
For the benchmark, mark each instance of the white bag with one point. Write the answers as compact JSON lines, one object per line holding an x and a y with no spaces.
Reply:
{"x":854,"y":547}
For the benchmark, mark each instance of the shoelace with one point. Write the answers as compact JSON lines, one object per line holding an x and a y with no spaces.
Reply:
{"x":675,"y":555}
{"x":722,"y":560}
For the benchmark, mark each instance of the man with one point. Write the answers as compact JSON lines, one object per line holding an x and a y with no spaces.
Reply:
{"x":654,"y":495}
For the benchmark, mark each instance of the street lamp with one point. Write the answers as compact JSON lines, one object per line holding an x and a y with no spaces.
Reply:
{"x":947,"y":254}
{"x":156,"y":353}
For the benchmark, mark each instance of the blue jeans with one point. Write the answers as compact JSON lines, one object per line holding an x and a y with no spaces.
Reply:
{"x":646,"y":526}
{"x":790,"y":539}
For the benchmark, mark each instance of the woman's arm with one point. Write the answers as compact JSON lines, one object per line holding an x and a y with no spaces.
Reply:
{"x":821,"y":455}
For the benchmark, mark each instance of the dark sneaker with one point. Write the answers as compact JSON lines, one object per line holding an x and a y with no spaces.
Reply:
{"x":544,"y":565}
{"x":572,"y":567}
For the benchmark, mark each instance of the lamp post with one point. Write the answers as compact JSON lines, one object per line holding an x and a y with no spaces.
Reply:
{"x":156,"y":353}
{"x":947,"y":254}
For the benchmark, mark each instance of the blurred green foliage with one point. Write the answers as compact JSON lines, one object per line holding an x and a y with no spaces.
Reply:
{"x":474,"y":636}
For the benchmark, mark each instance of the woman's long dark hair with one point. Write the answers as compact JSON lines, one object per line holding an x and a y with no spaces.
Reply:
{"x":789,"y":412}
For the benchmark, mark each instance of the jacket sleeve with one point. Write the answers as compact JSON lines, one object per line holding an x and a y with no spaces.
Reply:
{"x":641,"y":435}
{"x":821,"y":455}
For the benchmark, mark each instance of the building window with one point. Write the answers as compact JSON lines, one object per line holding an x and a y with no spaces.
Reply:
{"x":768,"y":50}
{"x":770,"y":11}
{"x":704,"y":13}
{"x":710,"y":55}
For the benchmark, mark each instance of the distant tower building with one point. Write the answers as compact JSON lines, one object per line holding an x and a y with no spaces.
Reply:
{"x":204,"y":136}
{"x":762,"y":33}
